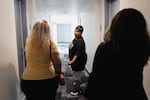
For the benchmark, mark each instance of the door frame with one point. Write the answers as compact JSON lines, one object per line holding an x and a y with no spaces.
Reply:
{"x":111,"y":7}
{"x":21,"y":32}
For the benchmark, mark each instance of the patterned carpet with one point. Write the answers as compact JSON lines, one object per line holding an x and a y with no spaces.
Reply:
{"x":63,"y":92}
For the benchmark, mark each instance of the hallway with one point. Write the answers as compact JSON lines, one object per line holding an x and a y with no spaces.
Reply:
{"x":90,"y":14}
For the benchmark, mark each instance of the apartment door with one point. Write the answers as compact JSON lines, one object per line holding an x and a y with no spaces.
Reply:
{"x":111,"y":8}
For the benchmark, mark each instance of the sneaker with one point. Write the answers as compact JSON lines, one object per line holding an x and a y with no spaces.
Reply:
{"x":76,"y":93}
{"x":74,"y":83}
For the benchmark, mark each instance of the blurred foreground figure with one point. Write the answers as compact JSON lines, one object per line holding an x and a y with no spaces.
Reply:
{"x":117,"y":72}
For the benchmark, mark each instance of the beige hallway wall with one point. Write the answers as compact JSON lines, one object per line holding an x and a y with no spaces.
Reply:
{"x":8,"y":52}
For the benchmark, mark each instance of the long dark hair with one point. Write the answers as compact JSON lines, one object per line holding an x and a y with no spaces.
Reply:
{"x":128,"y":31}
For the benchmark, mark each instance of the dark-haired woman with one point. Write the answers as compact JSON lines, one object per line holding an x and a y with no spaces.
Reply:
{"x":117,"y":72}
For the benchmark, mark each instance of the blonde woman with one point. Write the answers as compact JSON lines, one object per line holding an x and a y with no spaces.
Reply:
{"x":39,"y":79}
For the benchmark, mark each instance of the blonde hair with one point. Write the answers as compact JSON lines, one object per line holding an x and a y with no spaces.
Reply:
{"x":40,"y":34}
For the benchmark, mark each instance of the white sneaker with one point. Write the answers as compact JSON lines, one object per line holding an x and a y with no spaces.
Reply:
{"x":74,"y":83}
{"x":76,"y":93}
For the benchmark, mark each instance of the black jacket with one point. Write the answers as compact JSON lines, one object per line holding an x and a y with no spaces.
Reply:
{"x":77,"y":47}
{"x":116,"y":75}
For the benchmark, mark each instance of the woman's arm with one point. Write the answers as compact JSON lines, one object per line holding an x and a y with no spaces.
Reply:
{"x":56,"y":61}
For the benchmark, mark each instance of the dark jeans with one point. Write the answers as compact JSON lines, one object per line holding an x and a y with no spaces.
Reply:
{"x":40,"y":89}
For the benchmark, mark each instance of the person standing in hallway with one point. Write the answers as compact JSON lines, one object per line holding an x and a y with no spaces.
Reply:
{"x":40,"y":80}
{"x":77,"y":58}
{"x":119,"y":61}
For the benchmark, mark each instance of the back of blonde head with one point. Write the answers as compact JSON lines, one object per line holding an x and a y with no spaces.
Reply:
{"x":40,"y":34}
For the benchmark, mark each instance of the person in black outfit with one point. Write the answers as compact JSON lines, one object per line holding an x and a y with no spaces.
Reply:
{"x":118,"y":64}
{"x":77,"y":58}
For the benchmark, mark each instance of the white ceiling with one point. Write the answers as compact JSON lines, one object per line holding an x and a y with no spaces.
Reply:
{"x":63,"y":6}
